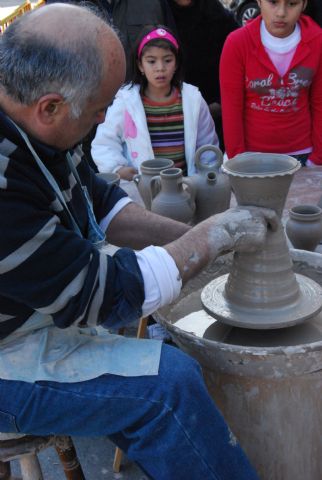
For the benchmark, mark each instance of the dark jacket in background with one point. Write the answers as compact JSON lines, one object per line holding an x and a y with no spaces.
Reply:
{"x":314,"y":10}
{"x":130,"y":16}
{"x":203,"y":28}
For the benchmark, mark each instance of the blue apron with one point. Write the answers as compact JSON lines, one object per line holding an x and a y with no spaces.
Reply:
{"x":38,"y":350}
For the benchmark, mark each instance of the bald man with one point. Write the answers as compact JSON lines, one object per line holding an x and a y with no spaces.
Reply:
{"x":61,"y":370}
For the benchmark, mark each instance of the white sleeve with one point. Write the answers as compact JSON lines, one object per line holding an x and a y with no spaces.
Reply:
{"x":104,"y":223}
{"x":108,"y":145}
{"x":207,"y":134}
{"x":162,"y":281}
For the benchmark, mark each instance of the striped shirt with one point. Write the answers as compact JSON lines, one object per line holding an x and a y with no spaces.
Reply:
{"x":45,"y":266}
{"x":165,"y":125}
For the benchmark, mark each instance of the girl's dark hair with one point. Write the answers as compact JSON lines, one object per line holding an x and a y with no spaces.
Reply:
{"x":136,"y":77}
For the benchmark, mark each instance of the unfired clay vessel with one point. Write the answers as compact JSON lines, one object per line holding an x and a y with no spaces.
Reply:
{"x":262,"y":290}
{"x":213,"y":191}
{"x":304,"y":226}
{"x":110,"y":177}
{"x":172,"y":196}
{"x":149,"y":168}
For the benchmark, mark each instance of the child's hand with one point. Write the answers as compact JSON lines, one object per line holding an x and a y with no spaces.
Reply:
{"x":127,"y":173}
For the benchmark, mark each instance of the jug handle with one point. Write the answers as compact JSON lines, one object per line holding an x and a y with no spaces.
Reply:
{"x":191,"y":189}
{"x":213,"y":148}
{"x":155,"y":186}
{"x":136,"y":178}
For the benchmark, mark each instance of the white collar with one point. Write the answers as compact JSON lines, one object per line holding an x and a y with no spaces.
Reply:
{"x":280,"y":45}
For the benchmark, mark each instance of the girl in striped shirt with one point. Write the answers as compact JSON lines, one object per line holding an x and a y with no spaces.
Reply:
{"x":156,"y":114}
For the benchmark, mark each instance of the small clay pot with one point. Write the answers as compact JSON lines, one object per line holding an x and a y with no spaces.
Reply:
{"x":110,"y":177}
{"x":304,"y":226}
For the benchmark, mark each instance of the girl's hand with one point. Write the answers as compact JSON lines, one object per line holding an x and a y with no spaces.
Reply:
{"x":127,"y":173}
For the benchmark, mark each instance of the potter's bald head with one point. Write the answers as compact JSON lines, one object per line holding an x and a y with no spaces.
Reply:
{"x":58,"y":48}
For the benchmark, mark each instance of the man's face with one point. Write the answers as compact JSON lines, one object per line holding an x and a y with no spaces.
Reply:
{"x":71,"y":131}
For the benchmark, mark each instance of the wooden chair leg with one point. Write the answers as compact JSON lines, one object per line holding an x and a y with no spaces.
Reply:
{"x":69,"y":460}
{"x":142,"y":327}
{"x":118,"y":452}
{"x":30,"y":467}
{"x":5,"y":471}
{"x":117,"y":460}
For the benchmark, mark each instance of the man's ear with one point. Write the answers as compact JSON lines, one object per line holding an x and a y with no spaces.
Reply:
{"x":305,"y":5}
{"x":49,"y":107}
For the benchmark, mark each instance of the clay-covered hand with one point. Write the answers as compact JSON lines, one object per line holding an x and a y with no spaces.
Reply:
{"x":127,"y":173}
{"x":242,"y":229}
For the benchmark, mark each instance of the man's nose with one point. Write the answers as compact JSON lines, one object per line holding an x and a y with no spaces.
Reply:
{"x":100,"y":117}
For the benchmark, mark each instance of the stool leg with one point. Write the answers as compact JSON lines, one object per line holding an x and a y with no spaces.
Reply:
{"x":30,"y":467}
{"x":142,"y":327}
{"x":5,"y":471}
{"x":68,"y":457}
{"x":117,"y":460}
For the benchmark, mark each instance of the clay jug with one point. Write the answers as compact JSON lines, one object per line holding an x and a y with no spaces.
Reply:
{"x":213,"y":191}
{"x":173,"y":195}
{"x":304,"y":226}
{"x":149,"y":168}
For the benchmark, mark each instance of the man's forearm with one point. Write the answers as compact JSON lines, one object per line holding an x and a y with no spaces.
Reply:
{"x":196,"y":249}
{"x":136,"y":227}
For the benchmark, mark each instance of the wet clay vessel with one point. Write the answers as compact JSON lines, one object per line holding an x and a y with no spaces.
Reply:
{"x":149,"y":168}
{"x":172,"y":195}
{"x":262,"y":291}
{"x":213,"y":191}
{"x":304,"y":226}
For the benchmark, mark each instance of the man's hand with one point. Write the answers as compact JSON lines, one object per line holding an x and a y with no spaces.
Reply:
{"x":241,"y":229}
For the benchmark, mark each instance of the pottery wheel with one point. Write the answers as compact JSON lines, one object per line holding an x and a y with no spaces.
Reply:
{"x":307,"y":305}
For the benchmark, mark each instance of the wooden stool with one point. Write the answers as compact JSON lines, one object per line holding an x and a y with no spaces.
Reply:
{"x":25,"y":448}
{"x":118,"y":452}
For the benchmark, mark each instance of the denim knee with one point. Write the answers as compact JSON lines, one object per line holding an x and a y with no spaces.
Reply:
{"x":179,"y":370}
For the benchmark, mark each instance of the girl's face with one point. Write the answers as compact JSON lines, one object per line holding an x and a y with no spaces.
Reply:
{"x":158,"y":65}
{"x":280,"y":16}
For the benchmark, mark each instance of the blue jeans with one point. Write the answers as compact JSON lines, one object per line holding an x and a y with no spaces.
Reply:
{"x":167,"y":424}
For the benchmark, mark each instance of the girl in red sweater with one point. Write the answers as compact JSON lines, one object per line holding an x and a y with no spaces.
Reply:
{"x":271,"y":84}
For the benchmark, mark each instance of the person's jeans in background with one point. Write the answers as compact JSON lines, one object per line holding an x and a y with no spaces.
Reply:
{"x":167,"y":423}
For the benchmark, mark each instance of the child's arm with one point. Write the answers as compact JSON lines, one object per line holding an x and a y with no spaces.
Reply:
{"x":232,"y":85}
{"x":108,"y":145}
{"x":206,"y":134}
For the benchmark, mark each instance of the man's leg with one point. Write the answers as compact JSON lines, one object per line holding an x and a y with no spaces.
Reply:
{"x":167,"y":423}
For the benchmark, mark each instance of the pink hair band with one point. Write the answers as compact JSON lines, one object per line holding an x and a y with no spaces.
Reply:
{"x":158,"y":33}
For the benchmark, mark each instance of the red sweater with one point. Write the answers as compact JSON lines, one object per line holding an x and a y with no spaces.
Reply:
{"x":262,"y":111}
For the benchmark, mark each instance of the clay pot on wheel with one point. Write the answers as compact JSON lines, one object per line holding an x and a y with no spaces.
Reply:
{"x":304,"y":226}
{"x":173,"y":195}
